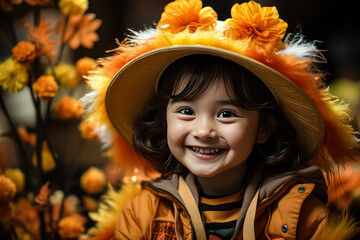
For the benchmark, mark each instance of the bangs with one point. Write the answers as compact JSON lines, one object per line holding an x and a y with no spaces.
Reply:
{"x":188,"y":78}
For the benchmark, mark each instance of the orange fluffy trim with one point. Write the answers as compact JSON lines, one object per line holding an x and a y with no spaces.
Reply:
{"x":339,"y":226}
{"x":109,"y":210}
{"x":339,"y":143}
{"x":131,"y":163}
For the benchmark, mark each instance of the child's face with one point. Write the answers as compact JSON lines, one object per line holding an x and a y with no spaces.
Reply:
{"x":210,"y":135}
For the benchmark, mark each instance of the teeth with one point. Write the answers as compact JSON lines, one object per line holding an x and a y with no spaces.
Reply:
{"x":206,"y":150}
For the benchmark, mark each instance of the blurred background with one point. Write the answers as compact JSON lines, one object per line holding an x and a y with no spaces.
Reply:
{"x":332,"y":24}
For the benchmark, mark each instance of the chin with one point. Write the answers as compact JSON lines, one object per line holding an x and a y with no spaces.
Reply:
{"x":206,"y":173}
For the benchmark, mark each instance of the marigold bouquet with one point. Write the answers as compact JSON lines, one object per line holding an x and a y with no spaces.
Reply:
{"x":31,"y":206}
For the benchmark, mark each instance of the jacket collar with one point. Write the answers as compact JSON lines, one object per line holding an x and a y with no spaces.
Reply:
{"x":268,"y":185}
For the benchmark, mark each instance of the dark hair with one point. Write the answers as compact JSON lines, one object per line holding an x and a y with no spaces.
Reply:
{"x":195,"y":74}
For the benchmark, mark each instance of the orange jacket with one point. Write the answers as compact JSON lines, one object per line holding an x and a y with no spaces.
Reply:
{"x":290,"y":206}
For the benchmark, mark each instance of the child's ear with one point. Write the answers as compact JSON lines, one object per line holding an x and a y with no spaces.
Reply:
{"x":266,"y":128}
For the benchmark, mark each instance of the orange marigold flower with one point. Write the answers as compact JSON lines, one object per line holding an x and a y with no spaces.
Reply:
{"x":45,"y":87}
{"x":7,"y":189}
{"x":26,"y":213}
{"x":25,"y":136}
{"x":40,"y":36}
{"x":261,"y":24}
{"x":68,"y":108}
{"x":38,"y":2}
{"x":88,"y":130}
{"x":71,"y":227}
{"x":93,"y":180}
{"x":24,"y":52}
{"x":84,"y":66}
{"x":187,"y":14}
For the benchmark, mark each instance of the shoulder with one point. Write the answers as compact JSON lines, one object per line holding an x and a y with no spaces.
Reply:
{"x":297,"y":213}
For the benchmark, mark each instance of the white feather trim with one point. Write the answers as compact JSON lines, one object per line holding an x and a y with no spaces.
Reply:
{"x":139,"y":37}
{"x":296,"y":44}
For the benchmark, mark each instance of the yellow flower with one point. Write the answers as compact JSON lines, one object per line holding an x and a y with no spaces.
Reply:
{"x":73,"y":7}
{"x":24,"y":52}
{"x":7,"y":189}
{"x":261,"y":24}
{"x":13,"y":75}
{"x":65,"y":74}
{"x":17,"y":176}
{"x":93,"y":180}
{"x":48,"y":162}
{"x":84,"y":66}
{"x":68,"y":108}
{"x":88,"y":130}
{"x":45,"y":87}
{"x":187,"y":14}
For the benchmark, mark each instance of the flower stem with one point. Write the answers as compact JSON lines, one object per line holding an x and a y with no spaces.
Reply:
{"x":62,"y":40}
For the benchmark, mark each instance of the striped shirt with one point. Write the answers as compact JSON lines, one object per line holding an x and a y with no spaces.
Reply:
{"x":221,"y":213}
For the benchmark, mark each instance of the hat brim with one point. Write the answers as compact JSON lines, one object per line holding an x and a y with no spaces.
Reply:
{"x":136,"y":82}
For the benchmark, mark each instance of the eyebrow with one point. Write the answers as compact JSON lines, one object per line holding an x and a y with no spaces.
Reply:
{"x":226,"y":102}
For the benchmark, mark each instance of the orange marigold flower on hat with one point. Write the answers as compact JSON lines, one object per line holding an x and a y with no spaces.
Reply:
{"x":38,"y":2}
{"x":84,"y":66}
{"x":25,"y":136}
{"x":93,"y":181}
{"x":261,"y":24}
{"x":71,"y":227}
{"x":24,"y":52}
{"x":186,"y":14}
{"x":69,"y":108}
{"x":45,"y":87}
{"x":7,"y":189}
{"x":89,"y":130}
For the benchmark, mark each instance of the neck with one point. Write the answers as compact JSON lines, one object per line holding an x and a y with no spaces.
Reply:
{"x":224,"y":183}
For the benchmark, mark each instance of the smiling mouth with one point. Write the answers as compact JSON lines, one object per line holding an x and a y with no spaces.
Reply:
{"x":207,"y":151}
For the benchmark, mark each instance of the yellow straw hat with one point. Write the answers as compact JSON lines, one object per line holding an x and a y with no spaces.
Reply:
{"x":136,"y":83}
{"x":252,"y":39}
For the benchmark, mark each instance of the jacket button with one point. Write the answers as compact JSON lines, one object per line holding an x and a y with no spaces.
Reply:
{"x":301,"y":189}
{"x":284,"y":228}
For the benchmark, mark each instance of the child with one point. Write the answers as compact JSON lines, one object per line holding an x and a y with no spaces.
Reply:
{"x":236,"y":121}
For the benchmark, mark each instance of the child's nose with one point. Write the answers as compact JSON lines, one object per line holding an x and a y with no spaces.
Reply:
{"x":204,"y":128}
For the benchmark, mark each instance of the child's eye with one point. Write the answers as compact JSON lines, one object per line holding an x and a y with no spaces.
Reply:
{"x":227,"y":114}
{"x":186,"y":111}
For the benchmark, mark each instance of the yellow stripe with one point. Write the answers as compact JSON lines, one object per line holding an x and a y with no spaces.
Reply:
{"x":218,"y":201}
{"x":221,"y":216}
